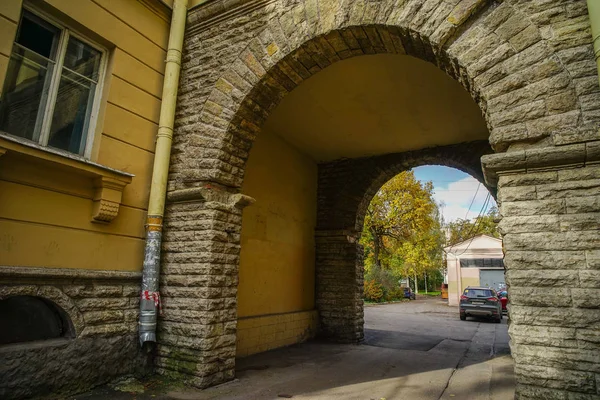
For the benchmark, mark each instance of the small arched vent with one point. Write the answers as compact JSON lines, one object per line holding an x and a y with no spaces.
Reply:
{"x":29,"y":318}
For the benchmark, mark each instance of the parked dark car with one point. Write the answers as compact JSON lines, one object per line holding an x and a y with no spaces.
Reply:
{"x":480,"y":302}
{"x":408,"y":294}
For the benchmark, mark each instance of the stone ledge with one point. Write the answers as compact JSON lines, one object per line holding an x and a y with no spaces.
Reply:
{"x":210,"y":193}
{"x":39,"y":273}
{"x":539,"y":159}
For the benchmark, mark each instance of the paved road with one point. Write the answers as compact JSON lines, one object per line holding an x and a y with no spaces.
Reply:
{"x":418,"y":350}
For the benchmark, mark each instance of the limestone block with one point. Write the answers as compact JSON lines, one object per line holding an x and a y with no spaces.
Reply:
{"x":545,"y":260}
{"x":543,"y":335}
{"x":556,"y":378}
{"x":557,"y":317}
{"x":542,"y":277}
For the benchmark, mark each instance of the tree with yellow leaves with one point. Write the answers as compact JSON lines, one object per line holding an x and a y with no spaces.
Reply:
{"x":402,"y":232}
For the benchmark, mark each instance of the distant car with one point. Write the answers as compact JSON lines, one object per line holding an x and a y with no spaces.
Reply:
{"x":408,"y":294}
{"x":480,"y":302}
{"x":503,"y":296}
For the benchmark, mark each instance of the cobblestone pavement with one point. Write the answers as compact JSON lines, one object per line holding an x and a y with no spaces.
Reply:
{"x":412,"y":350}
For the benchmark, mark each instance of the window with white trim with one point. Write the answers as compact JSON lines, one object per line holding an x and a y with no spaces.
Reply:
{"x":52,"y":86}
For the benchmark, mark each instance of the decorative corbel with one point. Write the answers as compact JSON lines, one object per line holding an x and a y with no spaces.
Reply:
{"x":107,"y":199}
{"x":241,"y":200}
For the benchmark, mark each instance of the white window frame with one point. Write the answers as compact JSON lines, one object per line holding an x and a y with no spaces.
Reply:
{"x":48,"y":108}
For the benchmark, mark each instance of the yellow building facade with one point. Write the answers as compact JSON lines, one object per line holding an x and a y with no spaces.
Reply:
{"x":47,"y":198}
{"x":81,"y":94}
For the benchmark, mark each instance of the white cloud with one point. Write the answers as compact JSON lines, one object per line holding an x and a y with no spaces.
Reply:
{"x":457,"y":197}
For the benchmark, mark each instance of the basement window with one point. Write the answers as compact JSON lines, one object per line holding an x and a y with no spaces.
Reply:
{"x":30,"y":318}
{"x":52,"y":86}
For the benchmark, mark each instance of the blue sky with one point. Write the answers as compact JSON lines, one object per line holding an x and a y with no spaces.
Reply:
{"x":455,"y":189}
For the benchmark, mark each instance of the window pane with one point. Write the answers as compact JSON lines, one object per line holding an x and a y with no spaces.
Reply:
{"x":72,"y":113}
{"x":82,"y":59}
{"x":37,"y":35}
{"x":25,"y":93}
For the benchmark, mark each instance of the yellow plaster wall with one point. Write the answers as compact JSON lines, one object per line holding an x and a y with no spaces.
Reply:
{"x":467,"y":281}
{"x":276,"y":273}
{"x":10,"y":10}
{"x":258,"y":334}
{"x":45,"y":214}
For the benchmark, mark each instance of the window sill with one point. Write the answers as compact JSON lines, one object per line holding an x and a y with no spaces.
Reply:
{"x":108,"y":183}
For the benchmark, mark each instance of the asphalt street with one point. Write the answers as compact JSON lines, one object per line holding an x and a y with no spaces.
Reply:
{"x":412,"y":350}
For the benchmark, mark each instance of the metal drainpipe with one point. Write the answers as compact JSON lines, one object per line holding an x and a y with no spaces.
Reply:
{"x":594,"y":12}
{"x":150,"y":296}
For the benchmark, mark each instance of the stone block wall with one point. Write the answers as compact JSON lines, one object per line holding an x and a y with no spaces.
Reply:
{"x":551,"y":228}
{"x":528,"y":64}
{"x":339,"y":285}
{"x":199,"y":278}
{"x":103,"y":309}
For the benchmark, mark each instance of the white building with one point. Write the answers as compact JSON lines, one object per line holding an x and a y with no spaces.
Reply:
{"x":474,"y":262}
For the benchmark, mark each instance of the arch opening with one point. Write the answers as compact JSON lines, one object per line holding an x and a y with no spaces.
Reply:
{"x":423,"y":227}
{"x":30,"y":318}
{"x":318,"y":159}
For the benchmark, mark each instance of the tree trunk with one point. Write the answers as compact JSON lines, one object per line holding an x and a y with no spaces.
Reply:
{"x":376,"y":248}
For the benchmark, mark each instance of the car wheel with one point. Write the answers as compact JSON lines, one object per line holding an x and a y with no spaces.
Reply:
{"x":498,"y":320}
{"x":463,"y":317}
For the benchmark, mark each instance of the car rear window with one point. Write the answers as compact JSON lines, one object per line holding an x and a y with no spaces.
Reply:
{"x":479,"y":293}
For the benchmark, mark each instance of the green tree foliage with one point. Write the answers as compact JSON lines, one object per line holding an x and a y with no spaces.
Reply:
{"x":464,"y":229}
{"x":402,"y":234}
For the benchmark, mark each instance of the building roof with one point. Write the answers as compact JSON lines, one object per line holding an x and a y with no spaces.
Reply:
{"x":476,"y":242}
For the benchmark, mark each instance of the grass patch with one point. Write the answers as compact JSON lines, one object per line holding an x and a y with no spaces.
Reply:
{"x":430,"y":294}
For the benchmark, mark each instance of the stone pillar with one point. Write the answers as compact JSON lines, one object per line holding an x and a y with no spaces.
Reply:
{"x":339,"y":285}
{"x":199,"y":277}
{"x":550,"y":204}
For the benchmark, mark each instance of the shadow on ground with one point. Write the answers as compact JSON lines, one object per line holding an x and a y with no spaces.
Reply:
{"x":429,"y":354}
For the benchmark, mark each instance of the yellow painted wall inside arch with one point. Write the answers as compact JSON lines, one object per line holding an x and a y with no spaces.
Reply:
{"x":262,"y":333}
{"x":277,"y":257}
{"x":45,"y":214}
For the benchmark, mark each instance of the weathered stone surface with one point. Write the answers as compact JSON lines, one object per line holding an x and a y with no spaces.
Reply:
{"x":543,"y":335}
{"x":539,"y":297}
{"x":564,"y":358}
{"x":560,"y":260}
{"x":533,"y":223}
{"x":104,"y":345}
{"x":556,"y":378}
{"x":542,"y":278}
{"x":556,"y":317}
{"x":523,"y":179}
{"x":530,"y":67}
{"x":533,"y":207}
{"x":553,"y":331}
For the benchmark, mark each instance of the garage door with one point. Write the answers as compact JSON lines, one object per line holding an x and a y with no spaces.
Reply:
{"x":493,"y":278}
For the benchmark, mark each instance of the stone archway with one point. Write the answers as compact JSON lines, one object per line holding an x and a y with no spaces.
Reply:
{"x":346,"y":188}
{"x":528,"y":65}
